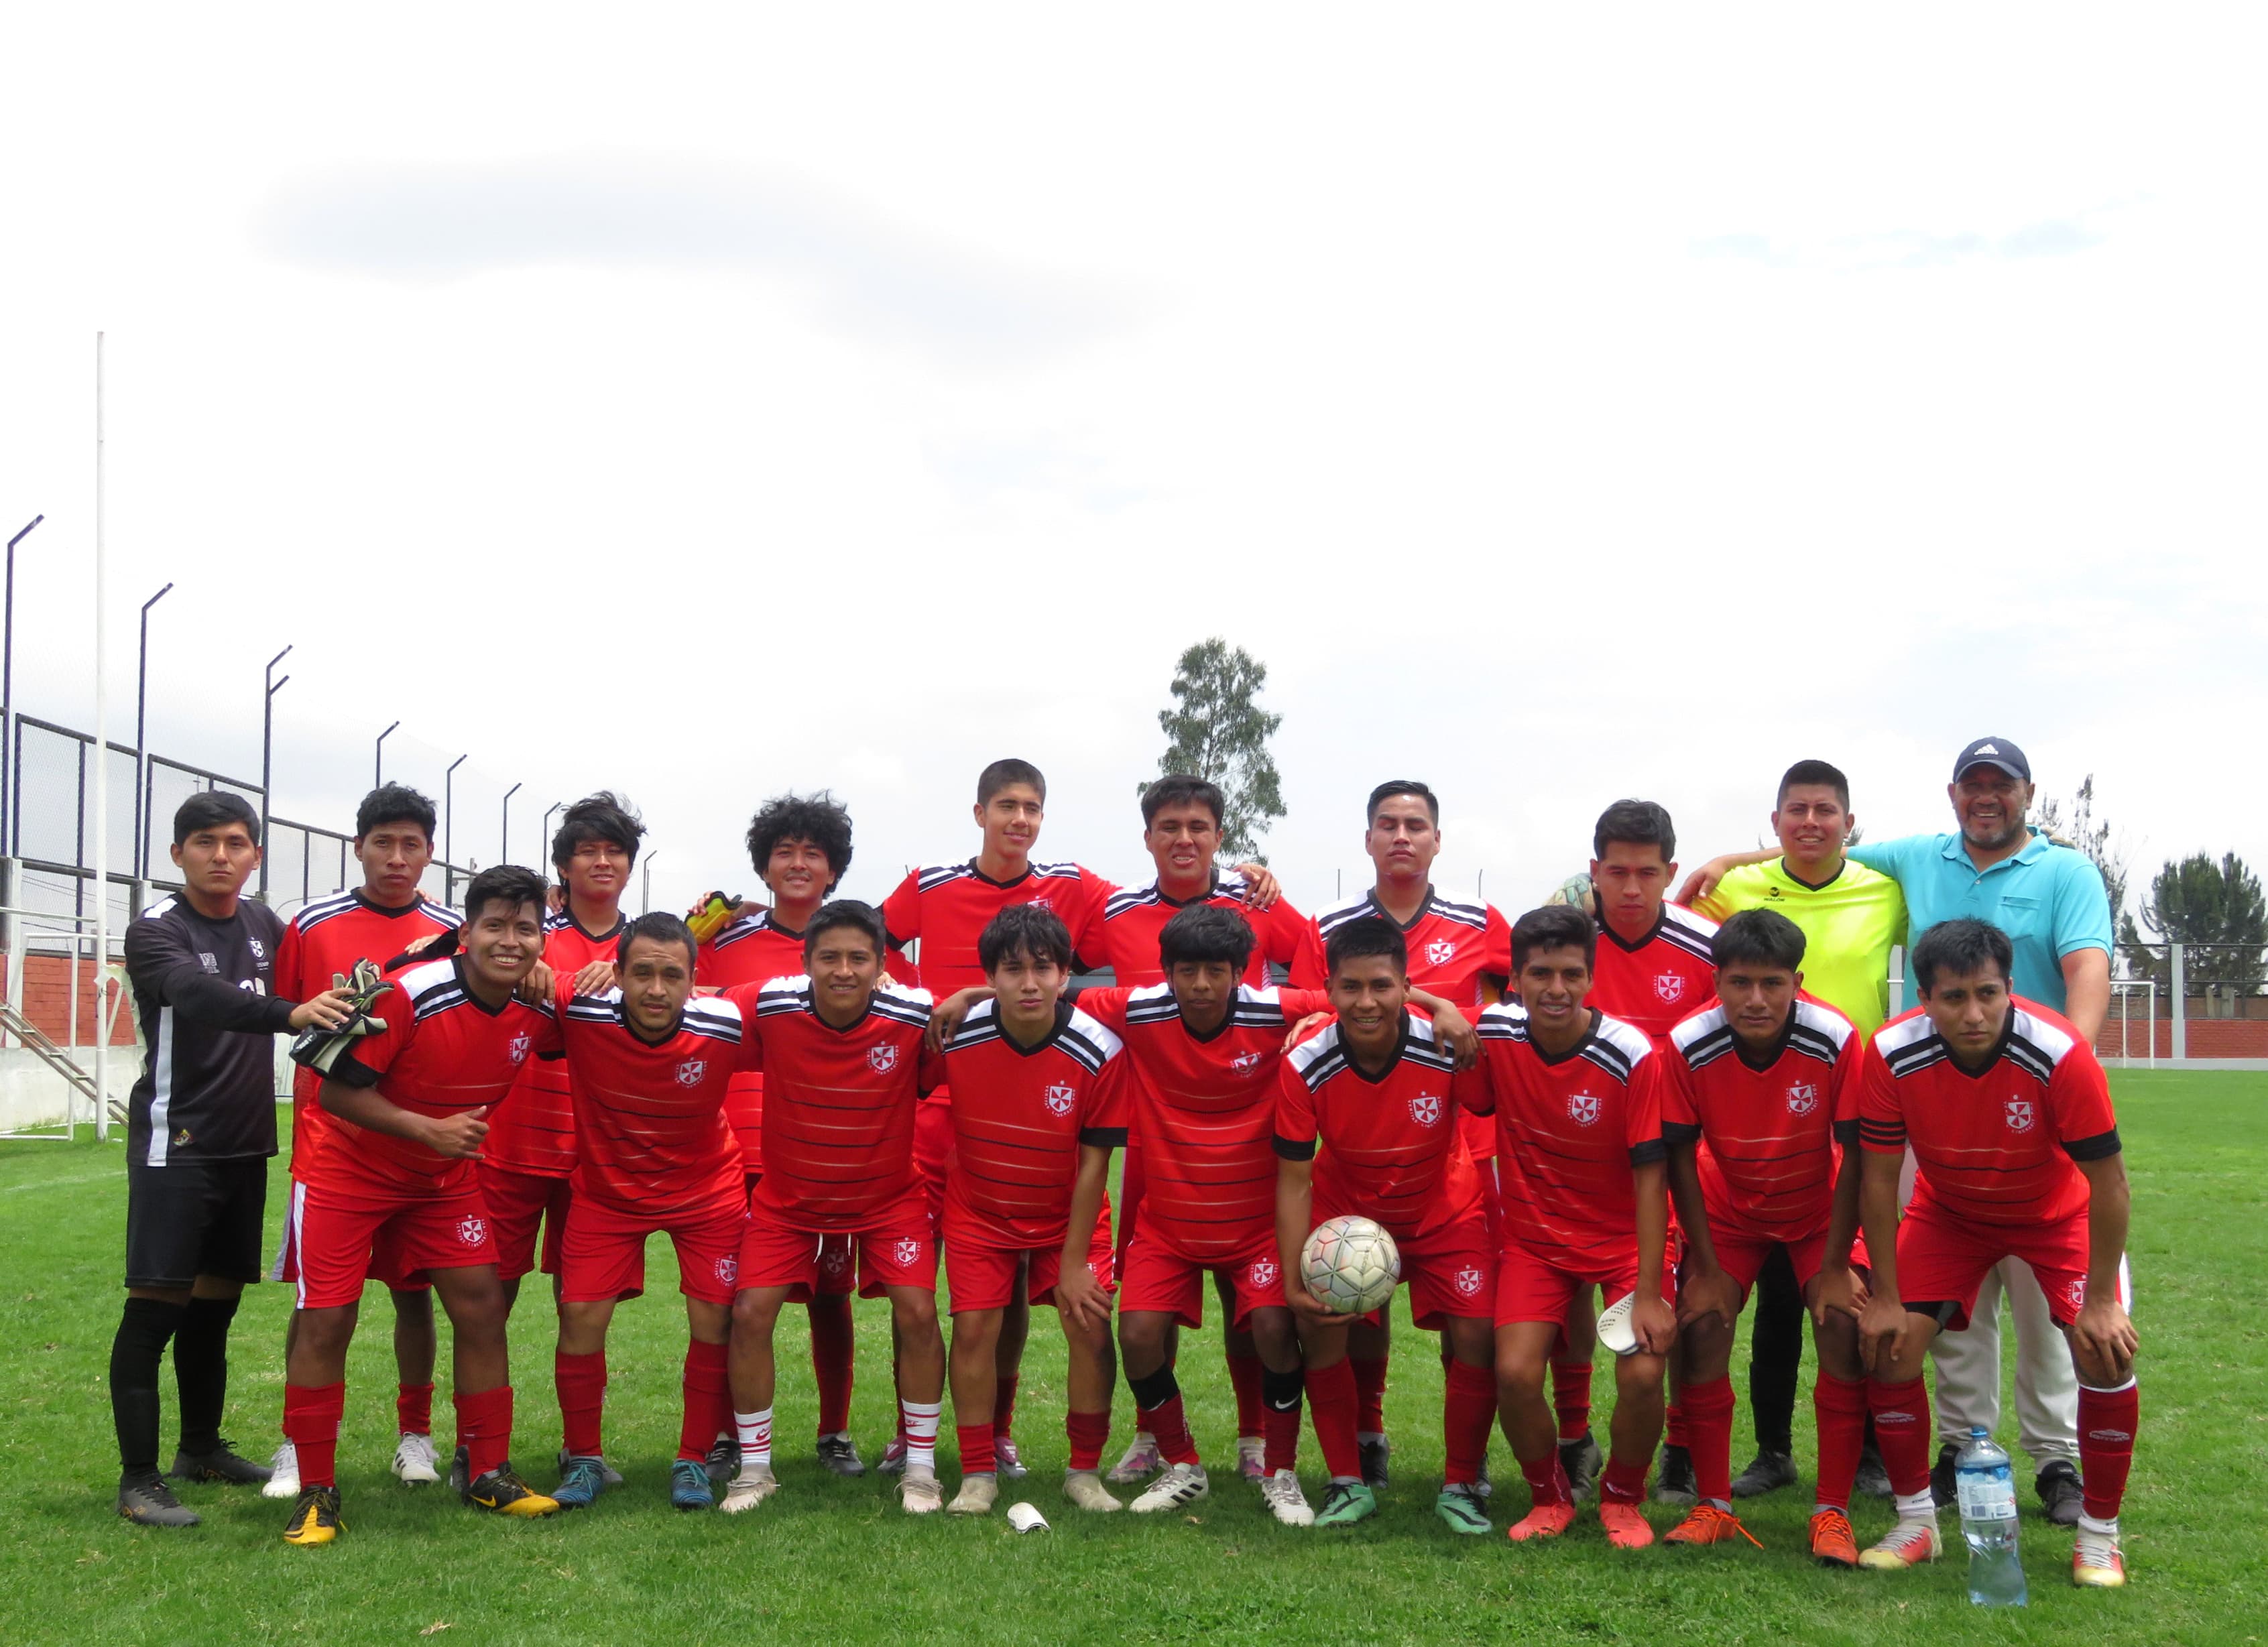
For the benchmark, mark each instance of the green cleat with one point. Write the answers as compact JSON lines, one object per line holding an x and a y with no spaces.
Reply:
{"x":1346,"y":1503}
{"x":1460,"y":1507}
{"x":580,"y":1484}
{"x":689,"y":1488}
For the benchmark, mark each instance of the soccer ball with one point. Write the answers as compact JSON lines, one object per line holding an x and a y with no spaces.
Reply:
{"x":1351,"y":1265}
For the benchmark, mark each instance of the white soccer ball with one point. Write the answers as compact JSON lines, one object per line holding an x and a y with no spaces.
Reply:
{"x":1351,"y":1265}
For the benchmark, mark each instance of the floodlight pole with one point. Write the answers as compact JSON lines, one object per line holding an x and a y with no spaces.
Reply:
{"x":377,"y":769}
{"x":8,"y":703}
{"x":102,"y":1019}
{"x":140,"y":740}
{"x":449,"y":831}
{"x":267,"y":753}
{"x":645,"y":897}
{"x":505,"y":856}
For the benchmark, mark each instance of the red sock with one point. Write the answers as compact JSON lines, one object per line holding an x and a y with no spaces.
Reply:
{"x":1004,"y":1404}
{"x":1547,"y":1481}
{"x":1088,"y":1433}
{"x":1281,"y":1397}
{"x":1468,"y":1414}
{"x":708,"y":1409}
{"x":1244,"y":1378}
{"x":1169,"y":1425}
{"x":2106,"y":1446}
{"x":1571,"y":1398}
{"x":1370,"y":1396}
{"x":484,"y":1422}
{"x":1902,"y":1432}
{"x":1333,"y":1401}
{"x":311,"y":1421}
{"x":413,"y":1409}
{"x":1709,"y":1431}
{"x":1839,"y":1407}
{"x":582,"y":1382}
{"x":830,"y":1362}
{"x":1674,"y":1430}
{"x":976,"y":1456}
{"x":1625,"y":1482}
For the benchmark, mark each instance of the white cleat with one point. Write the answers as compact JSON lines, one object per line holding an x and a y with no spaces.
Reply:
{"x":1252,"y":1458}
{"x":1086,"y":1491}
{"x":977,"y":1495}
{"x":1007,"y":1460}
{"x":1280,"y":1492}
{"x":750,"y":1488}
{"x":919,"y":1493}
{"x":413,"y":1461}
{"x":283,"y":1474}
{"x":1140,"y":1463}
{"x":1181,"y":1484}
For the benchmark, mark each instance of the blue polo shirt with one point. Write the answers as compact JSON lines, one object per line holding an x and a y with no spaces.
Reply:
{"x":2048,"y":899}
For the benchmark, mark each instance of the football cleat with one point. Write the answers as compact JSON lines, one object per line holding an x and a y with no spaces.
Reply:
{"x":1252,"y":1458}
{"x":502,"y":1492}
{"x":2096,"y":1561}
{"x":1942,"y":1476}
{"x":1873,"y":1481}
{"x":579,"y":1484}
{"x":1009,"y":1466}
{"x":1462,"y":1509}
{"x":1706,"y":1523}
{"x":1907,"y":1544}
{"x":1767,"y":1473}
{"x":283,"y":1474}
{"x":751,"y":1487}
{"x":1181,"y":1484}
{"x":1280,"y":1492}
{"x":977,"y":1495}
{"x":894,"y":1457}
{"x":1482,"y":1484}
{"x":1545,"y":1521}
{"x":919,"y":1494}
{"x":1675,"y":1484}
{"x":840,"y":1454}
{"x":1627,"y":1529}
{"x":413,"y":1460}
{"x":1346,"y":1503}
{"x":1086,"y":1491}
{"x":565,"y":1459}
{"x":460,"y":1469}
{"x":1581,"y":1459}
{"x":148,"y":1502}
{"x":222,"y":1464}
{"x":1833,"y":1544}
{"x":723,"y":1462}
{"x":2062,"y":1498}
{"x":689,"y":1486}
{"x":1375,"y":1454}
{"x":314,"y":1517}
{"x":1140,"y":1461}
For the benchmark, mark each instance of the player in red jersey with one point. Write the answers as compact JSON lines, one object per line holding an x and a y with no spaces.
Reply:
{"x":800,"y":848}
{"x":1039,"y":1103}
{"x":845,"y":1063}
{"x":1767,"y":1078}
{"x":653,"y":1153}
{"x":1579,"y":1161}
{"x":1181,"y":830}
{"x":377,"y":922}
{"x":1375,"y":1091}
{"x":1460,"y":952}
{"x":2016,"y":1154}
{"x":410,"y":1106}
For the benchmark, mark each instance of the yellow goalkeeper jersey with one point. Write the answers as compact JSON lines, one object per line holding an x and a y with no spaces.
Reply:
{"x":1849,"y":927}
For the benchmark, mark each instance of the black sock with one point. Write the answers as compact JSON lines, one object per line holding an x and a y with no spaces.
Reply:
{"x":1776,"y":1353}
{"x":1282,"y":1391}
{"x":1154,"y":1391}
{"x":143,"y":1332}
{"x":201,"y":1371}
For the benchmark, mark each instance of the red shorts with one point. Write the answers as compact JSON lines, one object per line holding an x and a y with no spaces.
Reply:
{"x":1743,"y":1256}
{"x":517,"y":1202}
{"x":1531,"y":1288}
{"x":1155,"y":1276}
{"x":1448,"y":1271}
{"x":1942,"y":1263}
{"x":389,"y":1266}
{"x":984,"y":1278}
{"x":335,"y":1242}
{"x":776,"y":1254}
{"x":838,"y":1258}
{"x":602,"y":1254}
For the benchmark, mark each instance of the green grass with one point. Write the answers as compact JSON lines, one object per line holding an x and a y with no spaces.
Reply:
{"x":836,"y":1560}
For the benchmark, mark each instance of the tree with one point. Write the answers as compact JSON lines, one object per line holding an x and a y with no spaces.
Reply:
{"x":1215,"y":731}
{"x":2079,"y":829}
{"x":2218,"y":912}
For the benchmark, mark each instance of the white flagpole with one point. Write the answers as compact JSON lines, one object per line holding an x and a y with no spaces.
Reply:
{"x":102,"y":1018}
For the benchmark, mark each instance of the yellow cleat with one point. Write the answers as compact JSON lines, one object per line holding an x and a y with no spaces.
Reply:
{"x":314,"y":1517}
{"x":1907,"y":1544}
{"x":502,"y":1492}
{"x":2096,"y":1562}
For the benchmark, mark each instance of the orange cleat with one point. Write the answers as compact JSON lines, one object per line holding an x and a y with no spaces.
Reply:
{"x":1833,"y":1544}
{"x":2096,"y":1561}
{"x":1626,"y":1529}
{"x":1545,"y":1521}
{"x":1705,"y":1523}
{"x":1907,"y":1544}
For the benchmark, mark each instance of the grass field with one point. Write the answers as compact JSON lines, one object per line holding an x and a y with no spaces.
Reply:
{"x":836,"y":1560}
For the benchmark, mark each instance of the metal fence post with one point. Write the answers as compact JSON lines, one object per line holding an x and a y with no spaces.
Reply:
{"x":2181,"y":1026}
{"x":12,"y":929}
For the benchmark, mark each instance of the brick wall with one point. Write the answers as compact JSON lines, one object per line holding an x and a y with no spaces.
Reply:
{"x":2206,"y":1036}
{"x":47,"y":981}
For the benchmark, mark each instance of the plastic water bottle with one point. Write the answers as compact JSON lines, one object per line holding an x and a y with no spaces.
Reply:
{"x":1988,"y":1523}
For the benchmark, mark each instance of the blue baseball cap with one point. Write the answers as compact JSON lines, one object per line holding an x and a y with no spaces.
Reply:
{"x":1994,"y":752}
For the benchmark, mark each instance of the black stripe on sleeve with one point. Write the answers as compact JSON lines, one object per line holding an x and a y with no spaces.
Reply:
{"x":1846,"y":1134}
{"x":1674,"y":1132}
{"x":1293,"y":1150}
{"x":1103,"y":1137}
{"x":346,"y":1072}
{"x":2101,"y":1147}
{"x":1646,"y":1154}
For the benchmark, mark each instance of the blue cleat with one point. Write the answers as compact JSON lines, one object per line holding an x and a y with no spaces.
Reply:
{"x":580,"y":1484}
{"x":688,"y":1486}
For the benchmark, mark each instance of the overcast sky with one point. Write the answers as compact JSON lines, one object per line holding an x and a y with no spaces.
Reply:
{"x":1562,"y":404}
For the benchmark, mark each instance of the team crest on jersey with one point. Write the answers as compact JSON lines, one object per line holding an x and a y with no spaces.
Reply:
{"x":1043,"y":903}
{"x":1425,"y":1109}
{"x":2075,"y":1293}
{"x":1441,"y":950}
{"x":1469,"y":1282}
{"x":1801,"y":1100}
{"x":472,"y":1231}
{"x":521,"y":1045}
{"x":728,"y":1270}
{"x":691,"y":1072}
{"x":834,"y":1258}
{"x":2020,"y":1115}
{"x":1583,"y":1108}
{"x":1262,"y":1273}
{"x":1245,"y":1062}
{"x":1669,"y":986}
{"x":258,"y":953}
{"x":209,"y":963}
{"x":884,"y":1059}
{"x":1060,"y":1099}
{"x":905,"y":1253}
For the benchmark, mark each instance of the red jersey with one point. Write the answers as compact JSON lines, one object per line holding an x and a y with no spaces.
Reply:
{"x":839,"y":1105}
{"x":1204,"y":1107}
{"x":649,"y":1129}
{"x":537,"y":1131}
{"x":1390,"y":1148}
{"x":1770,"y":1126}
{"x":1569,"y":1130}
{"x":1020,"y":1116}
{"x":749,"y":949}
{"x":1132,"y":921}
{"x":442,"y":1052}
{"x":1659,"y":979}
{"x":1999,"y":1147}
{"x":948,"y":908}
{"x":323,"y":941}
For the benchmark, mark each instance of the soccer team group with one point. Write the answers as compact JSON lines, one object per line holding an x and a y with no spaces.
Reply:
{"x":1615,"y":1098}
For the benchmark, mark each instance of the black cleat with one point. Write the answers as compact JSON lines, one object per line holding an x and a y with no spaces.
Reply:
{"x":222,"y":1464}
{"x":1581,"y":1459}
{"x":840,"y":1454}
{"x":146,"y":1501}
{"x":314,"y":1517}
{"x":502,"y":1492}
{"x":1767,"y":1473}
{"x":724,"y":1461}
{"x":1942,"y":1476}
{"x":461,"y":1470}
{"x":1676,"y":1485}
{"x":1873,"y":1480}
{"x":2061,"y":1496}
{"x":1374,"y":1455}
